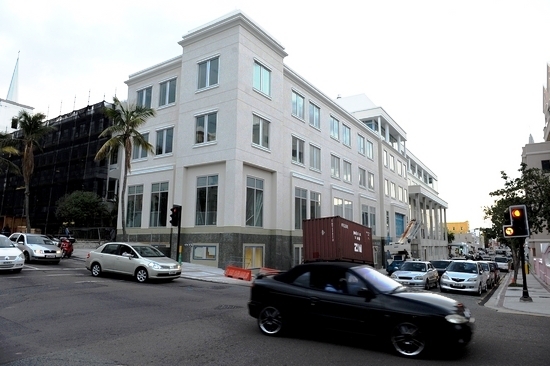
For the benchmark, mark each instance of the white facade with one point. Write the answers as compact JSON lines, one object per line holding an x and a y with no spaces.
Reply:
{"x":255,"y":150}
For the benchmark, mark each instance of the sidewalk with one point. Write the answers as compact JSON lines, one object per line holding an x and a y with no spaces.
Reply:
{"x":505,"y":298}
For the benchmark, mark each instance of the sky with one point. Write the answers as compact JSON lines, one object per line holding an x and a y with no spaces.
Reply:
{"x":463,"y":78}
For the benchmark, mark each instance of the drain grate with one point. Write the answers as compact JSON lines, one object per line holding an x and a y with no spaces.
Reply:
{"x":225,"y":307}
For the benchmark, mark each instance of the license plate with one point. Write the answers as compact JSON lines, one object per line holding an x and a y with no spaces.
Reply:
{"x":50,"y":256}
{"x":457,"y":286}
{"x":172,"y":272}
{"x":6,"y":263}
{"x":404,"y":283}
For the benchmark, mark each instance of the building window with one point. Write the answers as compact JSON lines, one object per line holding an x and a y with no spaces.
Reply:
{"x":372,"y":219}
{"x":135,"y":206}
{"x":399,"y":224}
{"x":392,"y":163}
{"x":385,"y":158}
{"x":334,"y":128}
{"x":335,"y":166}
{"x":371,"y":181}
{"x":338,"y":207}
{"x":167,"y":92}
{"x":206,"y":210}
{"x":545,"y":165}
{"x":314,"y":157}
{"x":400,"y":193}
{"x":262,"y":79}
{"x":260,"y":131}
{"x":348,"y":210}
{"x":139,"y":152}
{"x":347,"y":171}
{"x":365,"y":215}
{"x":297,"y":150}
{"x":297,"y":105}
{"x":165,"y":139}
{"x":159,"y":204}
{"x":314,"y":205}
{"x":392,"y":190}
{"x":205,"y":128}
{"x":405,"y":197}
{"x":208,"y":72}
{"x":144,"y":97}
{"x":399,"y":168}
{"x":204,"y":252}
{"x":362,"y":178}
{"x":314,"y":115}
{"x":254,"y":201}
{"x":253,"y":256}
{"x":346,"y":135}
{"x":361,"y":144}
{"x":386,"y":187}
{"x":404,"y":170}
{"x":300,"y":207}
{"x":370,"y":150}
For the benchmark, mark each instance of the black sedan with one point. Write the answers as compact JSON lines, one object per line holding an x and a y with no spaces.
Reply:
{"x":357,"y":298}
{"x":441,"y":266}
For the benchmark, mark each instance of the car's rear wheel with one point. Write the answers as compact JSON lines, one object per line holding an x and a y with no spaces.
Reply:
{"x":96,"y":270}
{"x":141,"y":275}
{"x":270,"y":321}
{"x":408,"y":339}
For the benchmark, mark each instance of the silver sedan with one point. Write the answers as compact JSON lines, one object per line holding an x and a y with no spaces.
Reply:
{"x":142,"y":261}
{"x":11,"y":257}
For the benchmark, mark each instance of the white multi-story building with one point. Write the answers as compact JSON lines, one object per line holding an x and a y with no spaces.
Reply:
{"x":249,"y":149}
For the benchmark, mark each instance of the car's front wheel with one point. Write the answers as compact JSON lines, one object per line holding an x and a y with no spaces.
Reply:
{"x":96,"y":270}
{"x":408,"y":339}
{"x":270,"y":321}
{"x":141,"y":275}
{"x":27,"y":257}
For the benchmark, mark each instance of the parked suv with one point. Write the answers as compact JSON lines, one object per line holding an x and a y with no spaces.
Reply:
{"x":35,"y":248}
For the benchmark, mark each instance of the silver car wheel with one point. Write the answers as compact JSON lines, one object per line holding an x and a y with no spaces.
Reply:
{"x":270,"y":321}
{"x":96,"y":270}
{"x":27,"y":257}
{"x":408,"y":340}
{"x":141,"y":275}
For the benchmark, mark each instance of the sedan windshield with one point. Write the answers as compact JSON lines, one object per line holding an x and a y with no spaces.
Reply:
{"x":35,"y":240}
{"x":462,"y":267}
{"x":5,"y":242}
{"x":379,"y":281}
{"x":146,"y":251}
{"x":412,"y":266}
{"x":440,"y":264}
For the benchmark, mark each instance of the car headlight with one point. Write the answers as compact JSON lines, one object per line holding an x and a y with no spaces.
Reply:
{"x":418,"y":278}
{"x":472,"y":279}
{"x":456,"y":319}
{"x":445,"y":277}
{"x":39,"y":251}
{"x":21,"y":256}
{"x":58,"y":251}
{"x":154,"y":265}
{"x":393,"y":276}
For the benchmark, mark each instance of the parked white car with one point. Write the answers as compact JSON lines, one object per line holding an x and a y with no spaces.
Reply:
{"x":464,"y":275}
{"x":417,"y":274}
{"x":11,"y":257}
{"x":503,"y":263}
{"x":35,"y":248}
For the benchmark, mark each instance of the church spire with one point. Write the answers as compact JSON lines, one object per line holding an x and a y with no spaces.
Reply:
{"x":12,"y":91}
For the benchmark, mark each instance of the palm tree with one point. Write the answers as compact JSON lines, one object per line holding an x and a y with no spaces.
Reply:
{"x":127,"y":119}
{"x":8,"y":147}
{"x":33,"y":128}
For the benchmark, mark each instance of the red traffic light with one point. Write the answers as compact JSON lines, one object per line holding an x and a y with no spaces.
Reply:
{"x":175,"y":215}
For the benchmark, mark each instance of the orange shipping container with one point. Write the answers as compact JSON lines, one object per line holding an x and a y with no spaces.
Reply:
{"x":337,"y":239}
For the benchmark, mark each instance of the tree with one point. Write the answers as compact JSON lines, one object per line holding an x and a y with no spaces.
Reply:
{"x":450,"y":237}
{"x":81,"y":208}
{"x":531,"y":189}
{"x":7,"y":148}
{"x":123,"y":133}
{"x":33,"y":128}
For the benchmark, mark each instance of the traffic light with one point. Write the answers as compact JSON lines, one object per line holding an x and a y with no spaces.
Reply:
{"x":516,"y":223}
{"x":175,"y":215}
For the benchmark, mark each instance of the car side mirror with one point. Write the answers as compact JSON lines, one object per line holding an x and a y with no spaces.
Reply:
{"x":366,"y":293}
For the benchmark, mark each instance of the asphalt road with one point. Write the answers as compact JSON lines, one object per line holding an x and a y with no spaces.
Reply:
{"x":60,"y":315}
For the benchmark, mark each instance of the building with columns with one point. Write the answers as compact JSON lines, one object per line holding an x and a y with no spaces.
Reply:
{"x":249,"y":149}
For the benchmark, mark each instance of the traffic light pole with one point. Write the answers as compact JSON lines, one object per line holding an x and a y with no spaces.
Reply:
{"x":178,"y":242}
{"x":525,"y":296}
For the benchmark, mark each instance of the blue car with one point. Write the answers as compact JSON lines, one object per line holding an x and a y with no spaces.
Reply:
{"x":394,"y":266}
